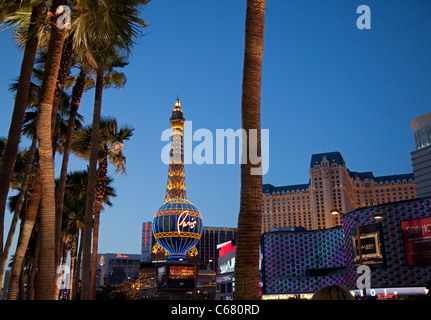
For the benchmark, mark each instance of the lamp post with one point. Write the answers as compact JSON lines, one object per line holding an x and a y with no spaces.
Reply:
{"x":377,"y":216}
{"x":208,"y":264}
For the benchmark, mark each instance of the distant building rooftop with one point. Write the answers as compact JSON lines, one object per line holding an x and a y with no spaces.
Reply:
{"x":337,"y":158}
{"x":269,"y":188}
{"x":370,"y":176}
{"x":332,"y":157}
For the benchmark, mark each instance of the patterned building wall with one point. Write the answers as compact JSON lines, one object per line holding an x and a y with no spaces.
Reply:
{"x":289,"y":257}
{"x":397,"y":273}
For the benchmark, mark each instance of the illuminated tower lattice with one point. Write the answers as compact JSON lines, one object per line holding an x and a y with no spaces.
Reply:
{"x":177,"y":225}
{"x":176,"y":186}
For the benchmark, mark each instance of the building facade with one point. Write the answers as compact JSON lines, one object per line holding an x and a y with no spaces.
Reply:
{"x":421,"y":156}
{"x":396,"y":247}
{"x":331,"y":186}
{"x":108,"y":262}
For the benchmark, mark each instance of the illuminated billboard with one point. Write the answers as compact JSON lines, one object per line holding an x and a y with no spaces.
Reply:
{"x":176,"y":276}
{"x":417,"y":240}
{"x":226,"y":257}
{"x":371,"y":246}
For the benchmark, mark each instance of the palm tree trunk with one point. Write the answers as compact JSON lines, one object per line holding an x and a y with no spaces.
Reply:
{"x":14,"y":136}
{"x":46,"y":274}
{"x":94,"y":255}
{"x":100,"y":193}
{"x":77,"y":92}
{"x":89,"y":208}
{"x":32,"y":277}
{"x":77,"y":270}
{"x":21,"y":291}
{"x":73,"y":253}
{"x":65,"y":65}
{"x":249,"y":220}
{"x":24,"y":237}
{"x":23,"y":191}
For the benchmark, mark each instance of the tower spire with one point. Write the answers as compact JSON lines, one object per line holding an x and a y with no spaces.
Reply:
{"x":176,"y":186}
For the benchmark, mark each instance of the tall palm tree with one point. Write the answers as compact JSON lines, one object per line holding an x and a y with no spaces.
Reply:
{"x":24,"y":238}
{"x":77,"y":92}
{"x":46,"y":272}
{"x":112,"y":138}
{"x":112,"y":79}
{"x":104,"y":27}
{"x":73,"y":218}
{"x":17,"y":208}
{"x":29,"y":130}
{"x":8,"y":8}
{"x":28,"y":220}
{"x":74,"y":211}
{"x":249,"y":219}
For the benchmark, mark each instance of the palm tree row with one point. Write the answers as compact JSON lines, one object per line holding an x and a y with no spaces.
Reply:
{"x":102,"y":35}
{"x":111,"y":142}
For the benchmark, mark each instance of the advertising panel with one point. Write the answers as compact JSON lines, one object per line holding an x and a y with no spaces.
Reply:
{"x":226,"y":257}
{"x":162,"y":281}
{"x":371,"y":246}
{"x":176,"y":276}
{"x":182,"y":276}
{"x":417,"y":240}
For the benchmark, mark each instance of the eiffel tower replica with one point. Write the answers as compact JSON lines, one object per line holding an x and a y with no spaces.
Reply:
{"x":175,"y":189}
{"x":176,"y":186}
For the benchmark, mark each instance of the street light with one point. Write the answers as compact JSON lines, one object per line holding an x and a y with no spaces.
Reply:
{"x":208,"y":264}
{"x":376,"y":216}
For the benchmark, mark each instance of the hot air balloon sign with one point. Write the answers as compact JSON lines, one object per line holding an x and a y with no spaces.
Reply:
{"x":177,"y":227}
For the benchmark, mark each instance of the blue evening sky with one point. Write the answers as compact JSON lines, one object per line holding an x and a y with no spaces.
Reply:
{"x":326,"y":86}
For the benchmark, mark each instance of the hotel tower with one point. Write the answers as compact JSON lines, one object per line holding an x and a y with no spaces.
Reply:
{"x":331,"y":186}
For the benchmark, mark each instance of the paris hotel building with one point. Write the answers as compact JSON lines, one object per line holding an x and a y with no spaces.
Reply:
{"x":331,"y":186}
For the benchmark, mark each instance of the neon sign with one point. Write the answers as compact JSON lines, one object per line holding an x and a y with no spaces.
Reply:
{"x":418,"y":229}
{"x":177,"y":227}
{"x":146,"y":234}
{"x":182,"y":223}
{"x":181,"y":272}
{"x":119,"y":255}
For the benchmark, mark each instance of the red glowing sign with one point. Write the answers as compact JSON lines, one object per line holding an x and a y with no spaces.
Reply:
{"x":225,"y":248}
{"x":122,"y":256}
{"x":417,"y":240}
{"x":387,"y":296}
{"x":146,"y":233}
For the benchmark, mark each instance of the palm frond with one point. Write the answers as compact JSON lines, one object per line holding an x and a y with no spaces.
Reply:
{"x":102,"y":26}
